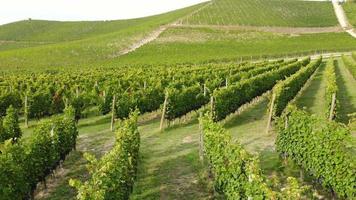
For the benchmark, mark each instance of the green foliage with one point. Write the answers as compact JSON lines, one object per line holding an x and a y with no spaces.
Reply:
{"x":79,"y":104}
{"x":40,"y":104}
{"x":319,"y":146}
{"x":228,"y":100}
{"x":180,"y":102}
{"x":145,"y":100}
{"x":13,"y":184}
{"x":236,"y":173}
{"x":112,"y":176}
{"x":350,"y":64}
{"x":36,"y":158}
{"x":10,"y":128}
{"x":9,"y":99}
{"x":331,"y":87}
{"x":288,"y":13}
{"x":286,"y":90}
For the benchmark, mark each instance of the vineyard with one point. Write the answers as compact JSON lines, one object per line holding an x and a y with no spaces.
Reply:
{"x":265,"y":13}
{"x":231,"y":100}
{"x":170,"y":100}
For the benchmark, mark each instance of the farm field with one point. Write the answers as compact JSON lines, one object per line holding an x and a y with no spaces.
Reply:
{"x":210,"y":44}
{"x":287,"y":13}
{"x":226,"y":100}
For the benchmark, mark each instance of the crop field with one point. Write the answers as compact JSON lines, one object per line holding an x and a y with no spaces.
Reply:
{"x":287,"y":13}
{"x":350,"y":10}
{"x":210,"y":108}
{"x":196,"y":45}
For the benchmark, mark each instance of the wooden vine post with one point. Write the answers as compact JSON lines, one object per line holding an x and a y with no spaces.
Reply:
{"x":285,"y":161}
{"x":164,"y":112}
{"x":201,"y":140}
{"x":113,"y":113}
{"x":77,"y":91}
{"x":26,"y":111}
{"x":332,"y":108}
{"x":204,"y":90}
{"x":270,"y":113}
{"x":212,"y":104}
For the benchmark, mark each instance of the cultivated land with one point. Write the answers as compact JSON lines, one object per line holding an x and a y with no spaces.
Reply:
{"x":350,"y":10}
{"x":286,"y":13}
{"x":203,"y":44}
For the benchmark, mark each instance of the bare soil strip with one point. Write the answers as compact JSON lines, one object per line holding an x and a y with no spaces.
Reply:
{"x":156,"y":33}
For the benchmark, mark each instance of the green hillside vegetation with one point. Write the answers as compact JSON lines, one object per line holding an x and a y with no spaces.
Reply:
{"x":84,"y":47}
{"x":194,"y":45}
{"x":350,"y":10}
{"x":287,"y":13}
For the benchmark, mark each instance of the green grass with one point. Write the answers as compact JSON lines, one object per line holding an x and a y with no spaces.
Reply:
{"x":74,"y":47}
{"x":194,"y":45}
{"x":55,"y":31}
{"x":313,"y":97}
{"x":347,"y":94}
{"x":350,"y":10}
{"x":287,"y":13}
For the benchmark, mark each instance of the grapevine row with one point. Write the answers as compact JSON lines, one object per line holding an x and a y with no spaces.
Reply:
{"x":228,"y":100}
{"x":236,"y":173}
{"x":331,"y":91}
{"x":320,"y":147}
{"x":286,"y":90}
{"x":112,"y":177}
{"x":24,"y":164}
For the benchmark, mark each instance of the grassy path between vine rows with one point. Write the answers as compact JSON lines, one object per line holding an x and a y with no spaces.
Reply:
{"x":347,"y":92}
{"x":312,"y":98}
{"x":170,"y":166}
{"x":94,"y":137}
{"x":249,"y":129}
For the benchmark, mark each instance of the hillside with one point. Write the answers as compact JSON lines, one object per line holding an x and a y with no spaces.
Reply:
{"x":224,"y":100}
{"x":350,"y":10}
{"x":75,"y":43}
{"x":287,"y":13}
{"x":194,"y":45}
{"x":44,"y":44}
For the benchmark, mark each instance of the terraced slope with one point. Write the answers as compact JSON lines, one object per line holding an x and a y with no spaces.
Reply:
{"x":287,"y":13}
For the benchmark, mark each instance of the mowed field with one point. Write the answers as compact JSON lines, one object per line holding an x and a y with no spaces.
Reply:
{"x":287,"y":13}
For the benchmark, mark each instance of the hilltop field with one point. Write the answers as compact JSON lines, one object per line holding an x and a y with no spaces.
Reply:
{"x":234,"y":99}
